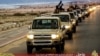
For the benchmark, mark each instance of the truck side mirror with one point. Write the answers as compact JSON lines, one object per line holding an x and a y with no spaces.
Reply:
{"x":62,"y":28}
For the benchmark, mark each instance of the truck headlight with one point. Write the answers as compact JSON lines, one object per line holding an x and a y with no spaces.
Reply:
{"x":30,"y":36}
{"x":67,"y":27}
{"x":54,"y":36}
{"x":90,"y":9}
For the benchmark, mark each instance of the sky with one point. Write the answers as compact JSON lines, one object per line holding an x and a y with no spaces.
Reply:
{"x":26,"y":1}
{"x":35,"y":1}
{"x":12,"y":3}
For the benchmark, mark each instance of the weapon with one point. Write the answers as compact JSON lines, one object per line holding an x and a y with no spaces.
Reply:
{"x":59,"y":7}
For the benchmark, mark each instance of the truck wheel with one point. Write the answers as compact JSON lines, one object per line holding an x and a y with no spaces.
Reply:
{"x":74,"y":29}
{"x":83,"y":17}
{"x":88,"y":15}
{"x":80,"y":20}
{"x":62,"y":45}
{"x":70,"y":35}
{"x":38,"y":49}
{"x":77,"y":23}
{"x":29,"y":49}
{"x":58,"y":49}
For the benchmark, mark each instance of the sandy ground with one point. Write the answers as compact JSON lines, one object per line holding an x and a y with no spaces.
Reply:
{"x":27,"y":9}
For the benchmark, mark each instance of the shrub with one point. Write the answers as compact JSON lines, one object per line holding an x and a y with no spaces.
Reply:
{"x":43,"y":12}
{"x":18,"y":14}
{"x":33,"y":13}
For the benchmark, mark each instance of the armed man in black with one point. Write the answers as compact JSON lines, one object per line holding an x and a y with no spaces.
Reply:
{"x":59,"y":7}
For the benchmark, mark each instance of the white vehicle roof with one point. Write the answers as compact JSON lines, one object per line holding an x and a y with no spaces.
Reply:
{"x":67,"y":13}
{"x":74,"y":10}
{"x":48,"y":14}
{"x":44,"y":17}
{"x":62,"y":13}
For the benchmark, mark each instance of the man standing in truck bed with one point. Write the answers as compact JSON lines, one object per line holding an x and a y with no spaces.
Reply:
{"x":59,"y":7}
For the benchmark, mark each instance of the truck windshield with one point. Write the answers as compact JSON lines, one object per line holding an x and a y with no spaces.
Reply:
{"x":72,"y":15}
{"x":63,"y":18}
{"x":78,"y":11}
{"x":45,"y":24}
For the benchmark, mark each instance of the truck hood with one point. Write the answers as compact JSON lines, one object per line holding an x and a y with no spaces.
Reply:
{"x":43,"y":31}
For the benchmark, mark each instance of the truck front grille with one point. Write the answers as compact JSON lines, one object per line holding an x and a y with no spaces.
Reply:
{"x":42,"y":39}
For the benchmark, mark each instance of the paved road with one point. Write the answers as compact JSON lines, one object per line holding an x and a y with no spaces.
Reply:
{"x":8,"y":36}
{"x":85,"y":40}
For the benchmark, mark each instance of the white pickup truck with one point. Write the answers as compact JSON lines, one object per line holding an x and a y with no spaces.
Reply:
{"x":45,"y":32}
{"x":66,"y":22}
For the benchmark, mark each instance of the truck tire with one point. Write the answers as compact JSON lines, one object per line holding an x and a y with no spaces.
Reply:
{"x":80,"y":20}
{"x":62,"y":45}
{"x":83,"y":17}
{"x":70,"y":35}
{"x":74,"y":29}
{"x":29,"y":49}
{"x":77,"y":23}
{"x":58,"y":49}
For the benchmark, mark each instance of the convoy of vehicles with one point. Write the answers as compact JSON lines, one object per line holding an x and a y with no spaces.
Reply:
{"x":50,"y":31}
